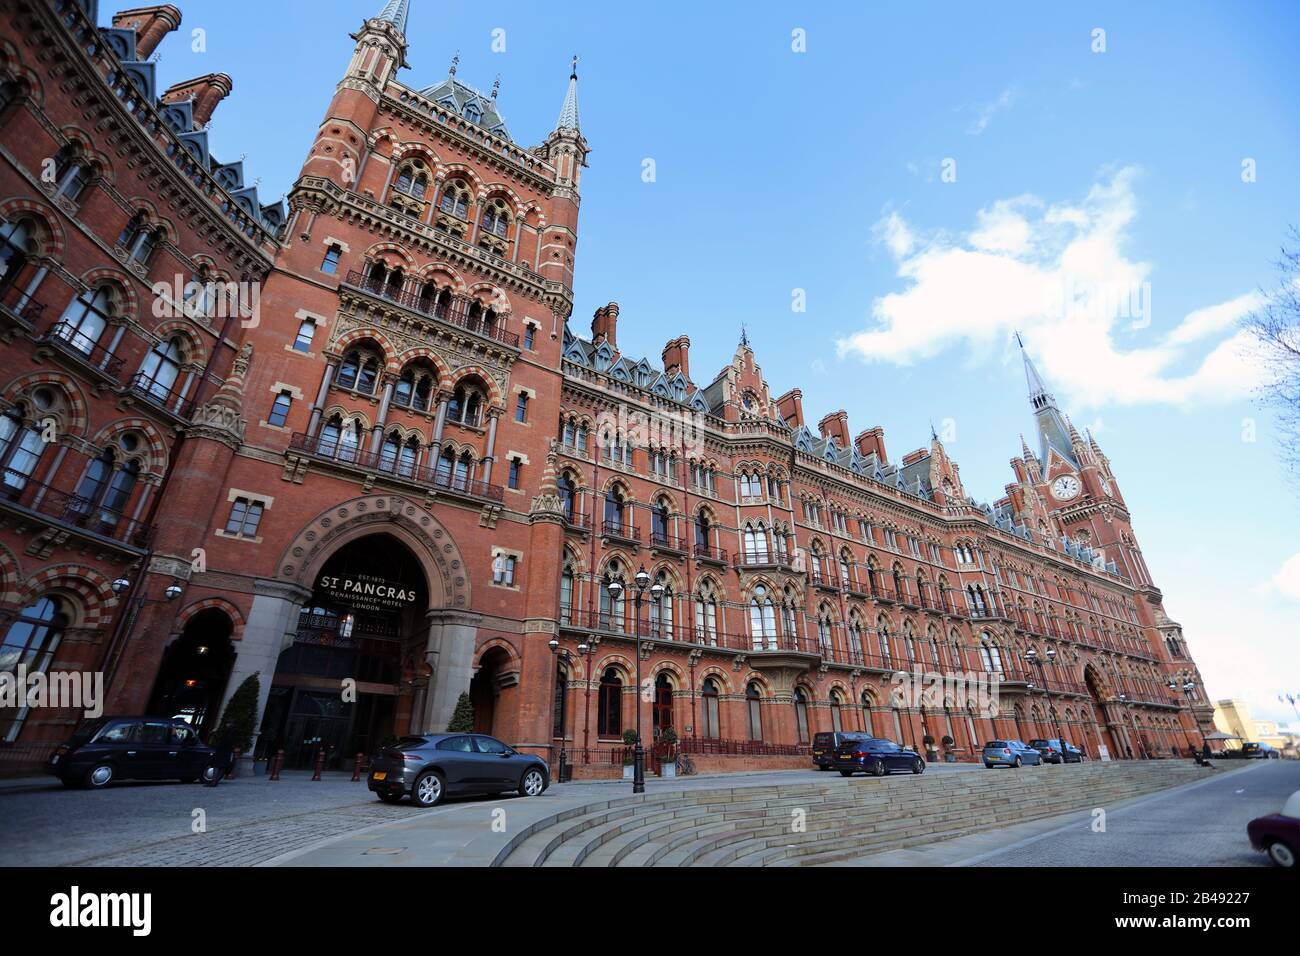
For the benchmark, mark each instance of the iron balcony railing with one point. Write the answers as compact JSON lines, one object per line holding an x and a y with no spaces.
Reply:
{"x":15,"y":300}
{"x":715,"y":555}
{"x":455,"y":312}
{"x":71,"y":510}
{"x":167,"y":397}
{"x":65,"y":337}
{"x":439,"y":477}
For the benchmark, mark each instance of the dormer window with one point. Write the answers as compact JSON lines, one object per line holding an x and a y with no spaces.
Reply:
{"x":472,"y":112}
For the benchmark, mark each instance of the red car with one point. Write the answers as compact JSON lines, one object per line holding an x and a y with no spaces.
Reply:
{"x":1278,"y":834}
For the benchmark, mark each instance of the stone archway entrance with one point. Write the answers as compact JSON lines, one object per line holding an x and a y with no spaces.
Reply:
{"x":195,"y":671}
{"x":1110,"y":736}
{"x":492,"y":692}
{"x":433,"y":634}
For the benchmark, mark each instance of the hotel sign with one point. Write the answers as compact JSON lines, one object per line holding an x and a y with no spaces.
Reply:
{"x":367,"y":591}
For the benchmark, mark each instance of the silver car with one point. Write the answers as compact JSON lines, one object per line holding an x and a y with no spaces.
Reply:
{"x":1010,"y":753}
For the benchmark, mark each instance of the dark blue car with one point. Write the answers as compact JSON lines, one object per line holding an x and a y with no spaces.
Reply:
{"x":876,"y":756}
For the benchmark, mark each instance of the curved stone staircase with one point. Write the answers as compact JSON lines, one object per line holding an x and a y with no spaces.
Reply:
{"x":841,"y":818}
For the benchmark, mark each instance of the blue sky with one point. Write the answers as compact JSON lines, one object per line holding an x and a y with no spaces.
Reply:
{"x":1117,"y":174}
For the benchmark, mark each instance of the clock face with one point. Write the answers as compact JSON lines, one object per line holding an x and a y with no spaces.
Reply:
{"x":1065,"y":487}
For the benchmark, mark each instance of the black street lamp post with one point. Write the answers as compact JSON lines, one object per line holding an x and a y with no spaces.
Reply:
{"x":585,"y":648}
{"x":615,"y":587}
{"x":1032,"y":657}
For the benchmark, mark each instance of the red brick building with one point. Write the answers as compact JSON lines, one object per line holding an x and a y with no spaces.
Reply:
{"x":357,"y":439}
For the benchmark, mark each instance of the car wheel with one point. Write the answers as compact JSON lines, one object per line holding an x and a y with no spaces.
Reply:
{"x":846,"y":773}
{"x":209,"y":773}
{"x":428,"y":789}
{"x":1016,"y":763}
{"x":391,"y":797}
{"x":918,"y":766}
{"x":100,"y":775}
{"x":1281,"y":854}
{"x":878,"y":768}
{"x":532,"y":783}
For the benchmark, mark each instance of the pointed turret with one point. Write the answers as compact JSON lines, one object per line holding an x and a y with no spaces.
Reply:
{"x":569,"y":111}
{"x":1053,"y":431}
{"x":395,"y":12}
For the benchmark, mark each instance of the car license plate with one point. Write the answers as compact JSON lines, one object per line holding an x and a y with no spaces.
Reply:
{"x":818,"y":753}
{"x":380,"y":775}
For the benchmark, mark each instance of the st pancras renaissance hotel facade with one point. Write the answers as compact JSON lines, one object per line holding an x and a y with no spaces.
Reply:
{"x":352,"y":439}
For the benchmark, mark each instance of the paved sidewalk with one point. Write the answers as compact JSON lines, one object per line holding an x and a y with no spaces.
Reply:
{"x":1129,"y":840}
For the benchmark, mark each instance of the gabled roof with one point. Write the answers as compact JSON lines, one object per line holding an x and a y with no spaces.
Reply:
{"x":479,"y":109}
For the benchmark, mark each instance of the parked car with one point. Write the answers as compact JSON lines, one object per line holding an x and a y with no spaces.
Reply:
{"x":1011,"y":753}
{"x":1254,"y":751}
{"x":876,"y":756}
{"x":131,"y":748}
{"x":1051,"y":750}
{"x":430,"y":767}
{"x":1278,"y":834}
{"x":826,"y":743}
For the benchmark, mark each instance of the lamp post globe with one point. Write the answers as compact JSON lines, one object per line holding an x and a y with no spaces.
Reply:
{"x":173,"y":592}
{"x":120,"y":585}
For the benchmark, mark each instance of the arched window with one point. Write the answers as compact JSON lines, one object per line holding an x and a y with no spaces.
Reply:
{"x":702,"y":530}
{"x":846,"y":575}
{"x":855,"y":639}
{"x":21,"y":446}
{"x":566,"y":594}
{"x":756,"y":542}
{"x":762,"y":620}
{"x":359,"y":371}
{"x":990,"y":656}
{"x":568,"y":494}
{"x":711,"y":726}
{"x":615,"y":508}
{"x":85,"y":319}
{"x":455,"y":199}
{"x":753,"y":711}
{"x":31,"y":642}
{"x":161,"y":368}
{"x":339,"y":439}
{"x":883,"y":627}
{"x":494,"y":226}
{"x":866,"y":713}
{"x":612,"y":608}
{"x":837,"y":720}
{"x":659,"y":519}
{"x":412,"y":180}
{"x":706,"y":615}
{"x":825,"y":630}
{"x":801,"y":714}
{"x":609,"y":715}
{"x":661,"y":610}
{"x":460,"y":474}
{"x":790,"y":615}
{"x":16,"y":246}
{"x":465,"y":406}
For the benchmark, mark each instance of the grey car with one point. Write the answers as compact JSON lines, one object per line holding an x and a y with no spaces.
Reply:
{"x":430,"y":767}
{"x":1010,"y":753}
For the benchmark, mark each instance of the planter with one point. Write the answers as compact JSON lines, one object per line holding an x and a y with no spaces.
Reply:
{"x":931,"y":755}
{"x":949,"y":757}
{"x":668,"y":769}
{"x":627,"y":771}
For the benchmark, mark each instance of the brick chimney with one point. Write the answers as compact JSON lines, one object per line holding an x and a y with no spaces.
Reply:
{"x":914,"y":456}
{"x":205,"y":91}
{"x":677,"y":357}
{"x":872,"y":440}
{"x":790,"y":405}
{"x":604,"y":326}
{"x":151,"y":24}
{"x":836,"y":425}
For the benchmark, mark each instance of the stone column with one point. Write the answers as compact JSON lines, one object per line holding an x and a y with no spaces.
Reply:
{"x":330,"y":368}
{"x":377,"y":433}
{"x":449,"y":651}
{"x":493,"y":415}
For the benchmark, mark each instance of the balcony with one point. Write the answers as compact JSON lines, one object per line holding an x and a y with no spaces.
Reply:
{"x":823,"y":582}
{"x":577,"y":522}
{"x":664,"y":543}
{"x":622,"y":625}
{"x":751,"y":558}
{"x":69,"y":511}
{"x":457,"y":313}
{"x":706,"y":555}
{"x":167,"y":398}
{"x":363,"y":461}
{"x":87,"y":355}
{"x":619,"y":530}
{"x":20,"y":308}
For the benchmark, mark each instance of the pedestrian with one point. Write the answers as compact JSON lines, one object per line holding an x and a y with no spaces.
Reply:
{"x":227,"y":736}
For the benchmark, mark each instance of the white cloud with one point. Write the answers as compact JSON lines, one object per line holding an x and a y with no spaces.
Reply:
{"x":1286,"y":581}
{"x":986,"y":112}
{"x":1061,"y":273}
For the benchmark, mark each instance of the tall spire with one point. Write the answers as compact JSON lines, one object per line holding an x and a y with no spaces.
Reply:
{"x":395,"y":12}
{"x":569,"y":111}
{"x":1054,"y":431}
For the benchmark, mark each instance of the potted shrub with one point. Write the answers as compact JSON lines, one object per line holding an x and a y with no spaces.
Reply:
{"x":668,"y":760}
{"x":931,"y":754}
{"x":948,"y":755}
{"x":629,"y":757}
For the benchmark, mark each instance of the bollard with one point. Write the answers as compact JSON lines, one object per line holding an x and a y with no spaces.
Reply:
{"x":320,"y":764}
{"x":234,"y":764}
{"x":276,"y":763}
{"x":356,"y":768}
